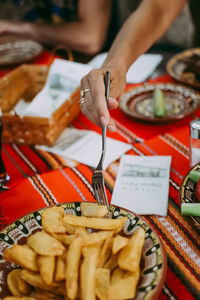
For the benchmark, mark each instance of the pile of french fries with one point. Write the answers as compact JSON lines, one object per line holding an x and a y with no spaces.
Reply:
{"x":75,"y":257}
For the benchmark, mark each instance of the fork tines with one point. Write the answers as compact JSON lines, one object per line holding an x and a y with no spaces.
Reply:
{"x":99,"y":187}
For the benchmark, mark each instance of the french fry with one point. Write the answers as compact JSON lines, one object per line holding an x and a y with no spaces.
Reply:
{"x":106,"y":250}
{"x":64,"y":238}
{"x":119,"y":242}
{"x":47,"y":268}
{"x":35,"y":280}
{"x":96,"y":237}
{"x":93,"y":210}
{"x":44,"y":295}
{"x":72,"y":270}
{"x":56,"y":214}
{"x":44,"y":244}
{"x":130,"y":256}
{"x":102,"y":283}
{"x":60,"y":271}
{"x":23,"y":256}
{"x":12,"y":282}
{"x":112,"y":263}
{"x":123,"y":285}
{"x":70,"y":229}
{"x":80,"y":230}
{"x":87,"y":272}
{"x":117,"y":275}
{"x":96,"y":223}
{"x":23,"y":286}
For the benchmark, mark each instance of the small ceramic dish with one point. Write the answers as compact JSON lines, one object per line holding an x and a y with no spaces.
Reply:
{"x":181,"y":101}
{"x":187,"y":192}
{"x":185,"y":67}
{"x":153,"y":263}
{"x":18,"y":52}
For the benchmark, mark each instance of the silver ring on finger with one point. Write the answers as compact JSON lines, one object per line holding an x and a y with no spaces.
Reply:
{"x":81,"y":101}
{"x":83,"y":92}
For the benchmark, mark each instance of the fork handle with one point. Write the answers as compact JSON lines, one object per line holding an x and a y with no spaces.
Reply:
{"x":107,"y":88}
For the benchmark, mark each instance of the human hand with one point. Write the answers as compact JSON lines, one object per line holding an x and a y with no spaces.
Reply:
{"x":95,"y":107}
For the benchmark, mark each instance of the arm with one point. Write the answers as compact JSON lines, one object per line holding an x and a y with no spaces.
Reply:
{"x":87,"y":35}
{"x":147,"y":24}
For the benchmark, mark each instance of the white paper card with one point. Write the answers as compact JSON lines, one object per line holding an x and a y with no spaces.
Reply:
{"x":142,"y":184}
{"x":139,"y":71}
{"x":85,"y":146}
{"x":63,"y":78}
{"x":143,"y":67}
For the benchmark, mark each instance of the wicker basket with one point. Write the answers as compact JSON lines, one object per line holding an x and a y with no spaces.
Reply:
{"x":24,"y":83}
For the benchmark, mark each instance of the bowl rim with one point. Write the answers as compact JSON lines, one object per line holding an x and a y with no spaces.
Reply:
{"x":136,"y":91}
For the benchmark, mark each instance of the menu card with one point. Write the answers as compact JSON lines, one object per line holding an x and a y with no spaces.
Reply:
{"x":85,"y":146}
{"x":142,"y":184}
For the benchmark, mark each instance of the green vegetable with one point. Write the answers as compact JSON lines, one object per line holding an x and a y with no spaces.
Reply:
{"x":194,"y":176}
{"x":159,"y":104}
{"x":190,"y":209}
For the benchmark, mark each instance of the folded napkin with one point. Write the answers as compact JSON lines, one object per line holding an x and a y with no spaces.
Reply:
{"x":85,"y":146}
{"x":142,"y":184}
{"x":63,"y":78}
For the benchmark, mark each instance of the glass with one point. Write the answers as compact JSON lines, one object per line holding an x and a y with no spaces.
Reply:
{"x":194,"y":142}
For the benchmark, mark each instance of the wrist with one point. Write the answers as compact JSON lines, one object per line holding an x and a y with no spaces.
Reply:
{"x":116,"y":68}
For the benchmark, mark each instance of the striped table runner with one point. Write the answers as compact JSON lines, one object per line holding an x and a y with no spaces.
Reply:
{"x":39,"y":179}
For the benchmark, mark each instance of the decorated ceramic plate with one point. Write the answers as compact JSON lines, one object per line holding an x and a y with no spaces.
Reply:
{"x":187,"y":192}
{"x":153,"y":263}
{"x":19,"y":51}
{"x":185,"y":67}
{"x":180,"y":101}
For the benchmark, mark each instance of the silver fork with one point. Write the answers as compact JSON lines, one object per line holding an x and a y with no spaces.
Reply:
{"x":98,"y":174}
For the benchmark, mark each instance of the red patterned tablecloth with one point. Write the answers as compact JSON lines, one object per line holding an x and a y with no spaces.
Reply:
{"x":40,"y":179}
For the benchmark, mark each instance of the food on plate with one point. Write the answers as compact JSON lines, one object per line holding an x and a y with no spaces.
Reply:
{"x":77,"y":257}
{"x":93,"y":210}
{"x":191,"y":209}
{"x":191,"y":72}
{"x":188,"y":76}
{"x":12,"y":281}
{"x":56,"y":214}
{"x":22,"y":255}
{"x":198,"y":190}
{"x":159,"y":103}
{"x":129,"y":256}
{"x":44,"y":244}
{"x":194,"y":175}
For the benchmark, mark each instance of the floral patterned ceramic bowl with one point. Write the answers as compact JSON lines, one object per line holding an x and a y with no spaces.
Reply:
{"x":181,"y":101}
{"x":153,"y":263}
{"x":15,"y":52}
